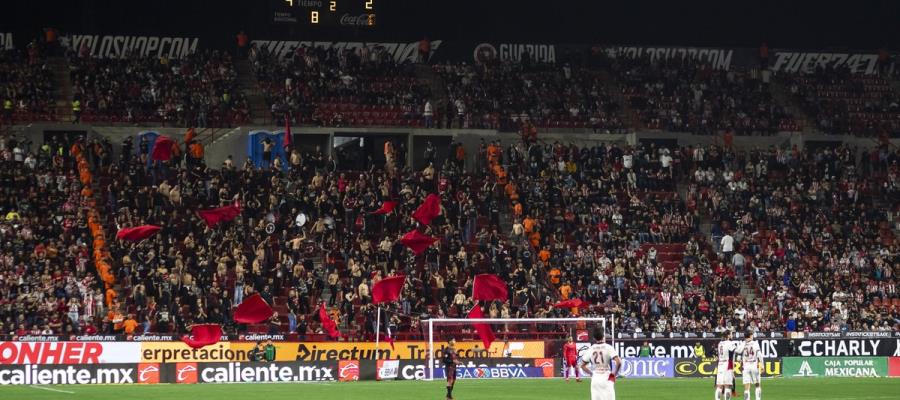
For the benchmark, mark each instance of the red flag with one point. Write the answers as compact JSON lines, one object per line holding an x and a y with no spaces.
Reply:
{"x":489,"y":287}
{"x":327,"y":323}
{"x":162,"y":149}
{"x":416,"y":241}
{"x":203,"y":335}
{"x":253,"y":310}
{"x":387,"y":338}
{"x":572,"y":303}
{"x":386,"y":208}
{"x":428,"y":210}
{"x":387,"y":289}
{"x":216,"y":215}
{"x":189,"y":135}
{"x":484,"y":330}
{"x":137,"y":233}
{"x":287,"y":132}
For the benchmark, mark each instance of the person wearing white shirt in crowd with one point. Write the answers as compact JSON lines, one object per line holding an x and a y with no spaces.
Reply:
{"x":727,"y":245}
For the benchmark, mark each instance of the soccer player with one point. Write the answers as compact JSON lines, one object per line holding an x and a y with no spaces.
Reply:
{"x":570,"y":353}
{"x":751,"y":357}
{"x":725,"y":367}
{"x":451,"y":360}
{"x":603,"y":378}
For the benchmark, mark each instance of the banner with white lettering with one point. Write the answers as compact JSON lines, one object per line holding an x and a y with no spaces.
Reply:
{"x":400,"y":52}
{"x":28,"y":353}
{"x":722,"y":59}
{"x":119,"y":46}
{"x":808,"y":62}
{"x":6,"y":41}
{"x":806,"y":347}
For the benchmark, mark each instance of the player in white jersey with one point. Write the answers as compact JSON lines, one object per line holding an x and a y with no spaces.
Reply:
{"x":600,"y":357}
{"x":751,"y":360}
{"x":725,"y":367}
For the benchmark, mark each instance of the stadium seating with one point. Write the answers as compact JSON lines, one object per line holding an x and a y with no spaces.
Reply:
{"x":341,"y":87}
{"x":198,"y":90}
{"x":26,"y":82}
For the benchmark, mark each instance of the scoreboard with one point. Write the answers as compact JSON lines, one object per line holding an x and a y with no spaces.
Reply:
{"x":325,"y":13}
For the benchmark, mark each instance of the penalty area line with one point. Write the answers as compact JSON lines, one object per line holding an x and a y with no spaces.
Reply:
{"x":50,"y":389}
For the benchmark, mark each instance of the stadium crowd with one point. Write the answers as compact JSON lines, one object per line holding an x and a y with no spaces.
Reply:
{"x":605,"y":224}
{"x":47,"y":285}
{"x":340,"y":87}
{"x":197,"y":90}
{"x":687,"y":96}
{"x":507,"y":95}
{"x":26,"y":86}
{"x":811,"y":229}
{"x":845,"y":103}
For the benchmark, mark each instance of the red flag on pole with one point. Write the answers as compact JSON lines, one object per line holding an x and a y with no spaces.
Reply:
{"x":416,"y":241}
{"x":386,"y":208}
{"x":489,"y":287}
{"x":253,"y":310}
{"x":162,"y":148}
{"x":484,"y":330}
{"x":572,"y":303}
{"x":203,"y":335}
{"x":327,"y":323}
{"x":216,"y":215}
{"x":429,"y":209}
{"x":137,"y":233}
{"x":287,"y":132}
{"x":387,"y":289}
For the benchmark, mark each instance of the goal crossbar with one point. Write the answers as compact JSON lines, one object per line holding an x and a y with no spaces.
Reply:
{"x":431,"y":322}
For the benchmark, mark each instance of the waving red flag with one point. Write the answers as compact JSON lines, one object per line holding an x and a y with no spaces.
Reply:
{"x":253,"y":310}
{"x":572,"y":303}
{"x":484,"y":330}
{"x":489,"y":287}
{"x":430,"y":209}
{"x":203,"y":335}
{"x":137,"y":233}
{"x":286,"y":143}
{"x":416,"y":241}
{"x":222,"y":214}
{"x":327,"y":323}
{"x":387,"y":289}
{"x":386,"y":208}
{"x":162,"y":149}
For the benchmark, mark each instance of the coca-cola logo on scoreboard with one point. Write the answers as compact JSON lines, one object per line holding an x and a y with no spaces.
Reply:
{"x":354,"y":20}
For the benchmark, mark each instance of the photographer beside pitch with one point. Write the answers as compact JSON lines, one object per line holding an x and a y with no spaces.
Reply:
{"x":600,"y":356}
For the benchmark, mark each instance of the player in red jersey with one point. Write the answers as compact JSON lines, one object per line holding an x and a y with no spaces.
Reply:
{"x":570,"y":354}
{"x":451,"y":361}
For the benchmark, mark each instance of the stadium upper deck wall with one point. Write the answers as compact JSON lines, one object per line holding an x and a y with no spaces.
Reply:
{"x":177,"y":46}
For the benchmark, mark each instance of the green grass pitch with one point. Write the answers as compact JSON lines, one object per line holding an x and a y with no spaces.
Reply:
{"x":497,"y":389}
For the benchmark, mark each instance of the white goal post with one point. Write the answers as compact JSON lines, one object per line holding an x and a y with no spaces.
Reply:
{"x":433,"y":322}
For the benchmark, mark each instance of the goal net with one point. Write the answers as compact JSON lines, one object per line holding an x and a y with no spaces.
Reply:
{"x":515,"y":338}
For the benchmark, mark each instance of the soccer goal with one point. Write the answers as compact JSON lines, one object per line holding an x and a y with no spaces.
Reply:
{"x":513,"y":336}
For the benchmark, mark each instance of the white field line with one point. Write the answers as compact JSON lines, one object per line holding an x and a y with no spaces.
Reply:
{"x":51,"y":389}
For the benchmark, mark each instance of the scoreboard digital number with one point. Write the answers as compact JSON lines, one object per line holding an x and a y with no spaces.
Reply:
{"x":336,"y":13}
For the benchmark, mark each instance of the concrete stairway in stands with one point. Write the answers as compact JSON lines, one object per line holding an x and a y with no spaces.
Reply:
{"x":63,"y":83}
{"x":249,"y":86}
{"x":782,"y":95}
{"x":632,"y":118}
{"x":439,"y":97}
